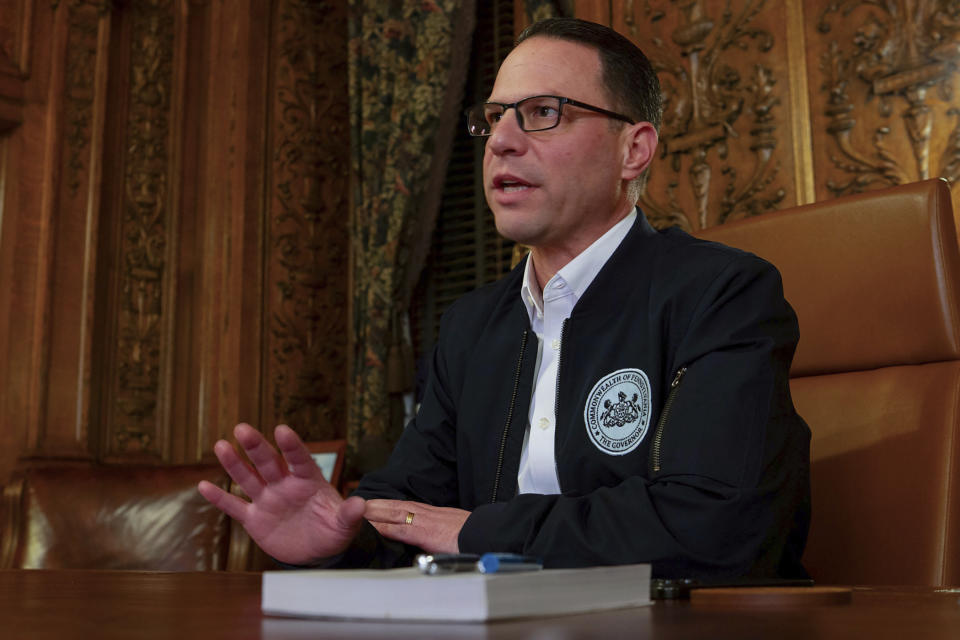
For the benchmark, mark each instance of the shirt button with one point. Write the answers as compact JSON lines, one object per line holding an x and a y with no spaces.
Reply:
{"x":556,"y":345}
{"x":544,"y":423}
{"x":560,"y":284}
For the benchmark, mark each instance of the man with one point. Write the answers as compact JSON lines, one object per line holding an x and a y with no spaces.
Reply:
{"x":619,"y":397}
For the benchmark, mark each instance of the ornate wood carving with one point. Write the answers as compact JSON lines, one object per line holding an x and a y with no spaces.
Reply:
{"x":889,"y":70}
{"x":307,"y":295}
{"x":82,"y":27}
{"x":143,"y":231}
{"x":721,"y":104}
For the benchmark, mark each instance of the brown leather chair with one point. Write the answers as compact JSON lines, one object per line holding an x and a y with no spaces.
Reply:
{"x":875,"y":281}
{"x":118,"y":517}
{"x":130,"y":517}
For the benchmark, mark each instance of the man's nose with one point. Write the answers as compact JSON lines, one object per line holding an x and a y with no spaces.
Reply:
{"x":507,"y":136}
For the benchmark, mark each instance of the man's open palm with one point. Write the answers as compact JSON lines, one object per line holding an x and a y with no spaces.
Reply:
{"x":294,"y":514}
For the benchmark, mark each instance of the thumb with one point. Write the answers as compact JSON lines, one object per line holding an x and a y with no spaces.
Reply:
{"x":350,"y":513}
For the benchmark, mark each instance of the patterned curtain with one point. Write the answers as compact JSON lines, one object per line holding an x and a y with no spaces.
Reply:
{"x":407,"y":64}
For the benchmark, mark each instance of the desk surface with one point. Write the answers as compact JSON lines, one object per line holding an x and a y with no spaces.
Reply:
{"x":114,"y":604}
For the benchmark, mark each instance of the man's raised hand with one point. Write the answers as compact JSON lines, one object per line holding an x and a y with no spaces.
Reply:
{"x":294,"y":515}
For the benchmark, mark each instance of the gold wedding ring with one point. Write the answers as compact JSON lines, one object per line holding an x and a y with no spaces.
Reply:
{"x":409,"y":518}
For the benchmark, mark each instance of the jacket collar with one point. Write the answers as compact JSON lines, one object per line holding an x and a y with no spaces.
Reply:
{"x":640,"y":244}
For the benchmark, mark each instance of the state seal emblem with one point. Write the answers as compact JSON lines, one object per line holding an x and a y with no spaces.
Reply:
{"x":617,"y":413}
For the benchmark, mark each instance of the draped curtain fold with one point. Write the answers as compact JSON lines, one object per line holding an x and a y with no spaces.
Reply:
{"x":407,"y":64}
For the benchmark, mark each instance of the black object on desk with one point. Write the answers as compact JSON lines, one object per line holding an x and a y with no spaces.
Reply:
{"x":679,"y":588}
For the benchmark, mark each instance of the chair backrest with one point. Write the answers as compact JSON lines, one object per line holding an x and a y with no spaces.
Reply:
{"x":131,"y":517}
{"x":120,"y":517}
{"x":875,"y":281}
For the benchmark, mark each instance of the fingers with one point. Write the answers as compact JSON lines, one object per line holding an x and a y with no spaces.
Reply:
{"x":295,"y":453}
{"x":389,"y":517}
{"x":261,"y":453}
{"x":239,"y":470}
{"x":433,"y":529}
{"x":230,"y":504}
{"x":390,"y":511}
{"x":270,"y":467}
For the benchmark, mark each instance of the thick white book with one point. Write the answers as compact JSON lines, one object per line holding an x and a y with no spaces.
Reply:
{"x":408,"y":594}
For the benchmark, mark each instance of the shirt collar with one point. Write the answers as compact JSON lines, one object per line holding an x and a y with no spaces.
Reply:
{"x":579,"y":272}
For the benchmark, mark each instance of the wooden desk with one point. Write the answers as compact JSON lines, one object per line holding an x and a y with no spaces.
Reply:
{"x":63,"y":605}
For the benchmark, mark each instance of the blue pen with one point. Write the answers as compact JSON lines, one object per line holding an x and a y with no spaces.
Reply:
{"x":504,"y":562}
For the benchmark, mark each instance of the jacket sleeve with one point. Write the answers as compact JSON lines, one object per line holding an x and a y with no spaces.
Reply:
{"x":731,"y":494}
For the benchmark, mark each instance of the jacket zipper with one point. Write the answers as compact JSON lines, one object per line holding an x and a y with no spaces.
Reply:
{"x":556,"y":398}
{"x":506,"y":427}
{"x":658,"y":434}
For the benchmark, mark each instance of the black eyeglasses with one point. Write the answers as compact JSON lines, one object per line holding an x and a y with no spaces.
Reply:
{"x":536,"y":113}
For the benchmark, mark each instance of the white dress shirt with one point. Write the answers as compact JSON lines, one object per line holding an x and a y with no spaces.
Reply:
{"x":547,"y":311}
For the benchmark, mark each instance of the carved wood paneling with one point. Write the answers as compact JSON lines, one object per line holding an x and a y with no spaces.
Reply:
{"x":726,"y":142}
{"x":306,"y":295}
{"x":884,"y":92}
{"x":133,"y":409}
{"x":83,"y":22}
{"x":173,"y":226}
{"x":771,"y":104}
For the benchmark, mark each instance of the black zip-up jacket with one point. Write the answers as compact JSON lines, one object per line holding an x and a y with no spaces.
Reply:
{"x":715,"y":478}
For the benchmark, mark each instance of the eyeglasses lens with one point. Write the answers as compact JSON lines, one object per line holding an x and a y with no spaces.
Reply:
{"x":534,"y":114}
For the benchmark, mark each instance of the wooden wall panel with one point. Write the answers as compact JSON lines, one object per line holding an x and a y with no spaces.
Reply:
{"x":71,"y":209}
{"x":47,"y":320}
{"x":16,"y":66}
{"x":15,"y":38}
{"x":222,"y":343}
{"x":306,"y":293}
{"x":173,"y":225}
{"x":884,"y":80}
{"x":776,"y":103}
{"x":141,"y":239}
{"x":727,"y":139}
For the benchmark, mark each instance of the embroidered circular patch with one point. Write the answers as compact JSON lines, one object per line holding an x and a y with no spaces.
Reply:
{"x":617,"y":412}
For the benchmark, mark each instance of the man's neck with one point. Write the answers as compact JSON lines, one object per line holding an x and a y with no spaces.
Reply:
{"x":547,"y":260}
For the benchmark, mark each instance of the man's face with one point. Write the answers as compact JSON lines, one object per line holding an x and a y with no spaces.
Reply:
{"x":558,"y":189}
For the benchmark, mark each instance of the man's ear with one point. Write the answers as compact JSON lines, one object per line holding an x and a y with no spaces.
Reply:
{"x":640,"y":143}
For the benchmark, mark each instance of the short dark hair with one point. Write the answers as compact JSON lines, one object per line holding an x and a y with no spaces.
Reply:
{"x":628,"y":76}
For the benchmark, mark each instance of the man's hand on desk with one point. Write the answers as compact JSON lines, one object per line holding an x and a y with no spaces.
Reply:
{"x":433,"y":529}
{"x":293,"y":514}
